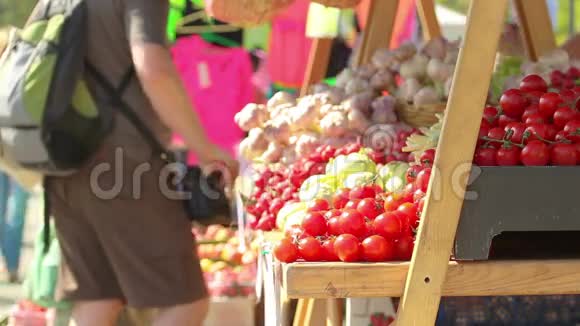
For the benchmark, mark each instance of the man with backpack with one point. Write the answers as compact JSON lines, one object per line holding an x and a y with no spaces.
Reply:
{"x":91,"y":98}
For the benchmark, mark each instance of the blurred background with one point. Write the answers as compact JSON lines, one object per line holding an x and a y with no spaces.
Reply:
{"x":15,"y":12}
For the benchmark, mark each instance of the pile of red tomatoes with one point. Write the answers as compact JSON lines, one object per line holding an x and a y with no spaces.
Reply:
{"x":360,"y":224}
{"x":534,"y":125}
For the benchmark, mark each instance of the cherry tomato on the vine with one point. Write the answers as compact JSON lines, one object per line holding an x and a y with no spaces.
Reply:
{"x":515,"y":131}
{"x":504,"y":120}
{"x":508,"y":156}
{"x":572,"y":129}
{"x":490,"y":114}
{"x":549,"y":103}
{"x":495,"y":135}
{"x":485,"y":156}
{"x":513,"y":103}
{"x":533,"y":83}
{"x":564,"y":154}
{"x":563,"y":115}
{"x":535,"y":153}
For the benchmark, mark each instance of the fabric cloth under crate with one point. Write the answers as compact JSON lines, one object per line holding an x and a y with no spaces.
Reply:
{"x":558,"y":310}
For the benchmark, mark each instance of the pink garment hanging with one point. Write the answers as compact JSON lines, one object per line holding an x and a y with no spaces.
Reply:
{"x":219,"y":83}
{"x":289,"y":46}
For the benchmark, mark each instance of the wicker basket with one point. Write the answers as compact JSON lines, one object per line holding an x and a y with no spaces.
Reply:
{"x":338,"y":3}
{"x":419,"y":116}
{"x":245,"y":12}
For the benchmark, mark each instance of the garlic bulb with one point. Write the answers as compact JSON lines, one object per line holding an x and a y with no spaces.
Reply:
{"x":251,"y":116}
{"x":383,"y":59}
{"x":384,"y":110}
{"x":405,"y":52}
{"x":281,"y":98}
{"x":426,"y":95}
{"x":408,"y":89}
{"x":414,"y":68}
{"x":334,"y":124}
{"x":382,"y":80}
{"x":358,"y":121}
{"x":356,"y":85}
{"x":439,"y":71}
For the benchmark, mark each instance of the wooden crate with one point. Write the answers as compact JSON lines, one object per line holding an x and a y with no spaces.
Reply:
{"x":517,"y":199}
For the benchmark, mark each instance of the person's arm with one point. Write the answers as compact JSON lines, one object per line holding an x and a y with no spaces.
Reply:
{"x":166,"y":92}
{"x":145,"y":21}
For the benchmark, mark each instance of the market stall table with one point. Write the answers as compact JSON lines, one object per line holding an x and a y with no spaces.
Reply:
{"x":486,"y":278}
{"x":430,"y":275}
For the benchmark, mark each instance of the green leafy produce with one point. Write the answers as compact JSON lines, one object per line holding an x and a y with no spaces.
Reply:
{"x":507,"y":67}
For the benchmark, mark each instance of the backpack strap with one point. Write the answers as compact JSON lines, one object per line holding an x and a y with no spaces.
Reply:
{"x":47,"y":212}
{"x":116,"y":94}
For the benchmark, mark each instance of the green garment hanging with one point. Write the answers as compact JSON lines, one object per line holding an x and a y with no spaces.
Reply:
{"x":40,"y":283}
{"x":176,"y":9}
{"x":254,"y":37}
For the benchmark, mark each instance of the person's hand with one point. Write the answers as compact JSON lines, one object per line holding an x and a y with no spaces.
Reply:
{"x":214,"y":158}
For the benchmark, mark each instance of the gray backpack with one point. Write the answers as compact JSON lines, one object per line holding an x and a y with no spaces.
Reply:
{"x":49,"y":122}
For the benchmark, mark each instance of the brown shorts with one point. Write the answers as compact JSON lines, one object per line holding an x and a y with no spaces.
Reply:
{"x":121,"y":238}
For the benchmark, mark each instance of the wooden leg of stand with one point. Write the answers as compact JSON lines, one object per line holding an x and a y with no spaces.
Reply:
{"x":301,"y":311}
{"x":536,"y":27}
{"x":429,"y":22}
{"x":285,"y":310}
{"x":317,"y":63}
{"x":379,"y":29}
{"x":310,"y":312}
{"x":334,"y":312}
{"x":423,"y":288}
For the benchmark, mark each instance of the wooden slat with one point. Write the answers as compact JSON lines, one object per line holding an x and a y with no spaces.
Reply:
{"x":317,"y":63}
{"x":301,"y":311}
{"x":310,"y":312}
{"x":360,"y":280}
{"x":334,"y":312}
{"x":429,"y":22}
{"x":536,"y":27}
{"x":453,"y":159}
{"x":379,"y":29}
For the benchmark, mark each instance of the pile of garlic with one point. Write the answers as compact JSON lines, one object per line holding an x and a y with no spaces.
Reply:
{"x":426,"y":72}
{"x":288,"y":127}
